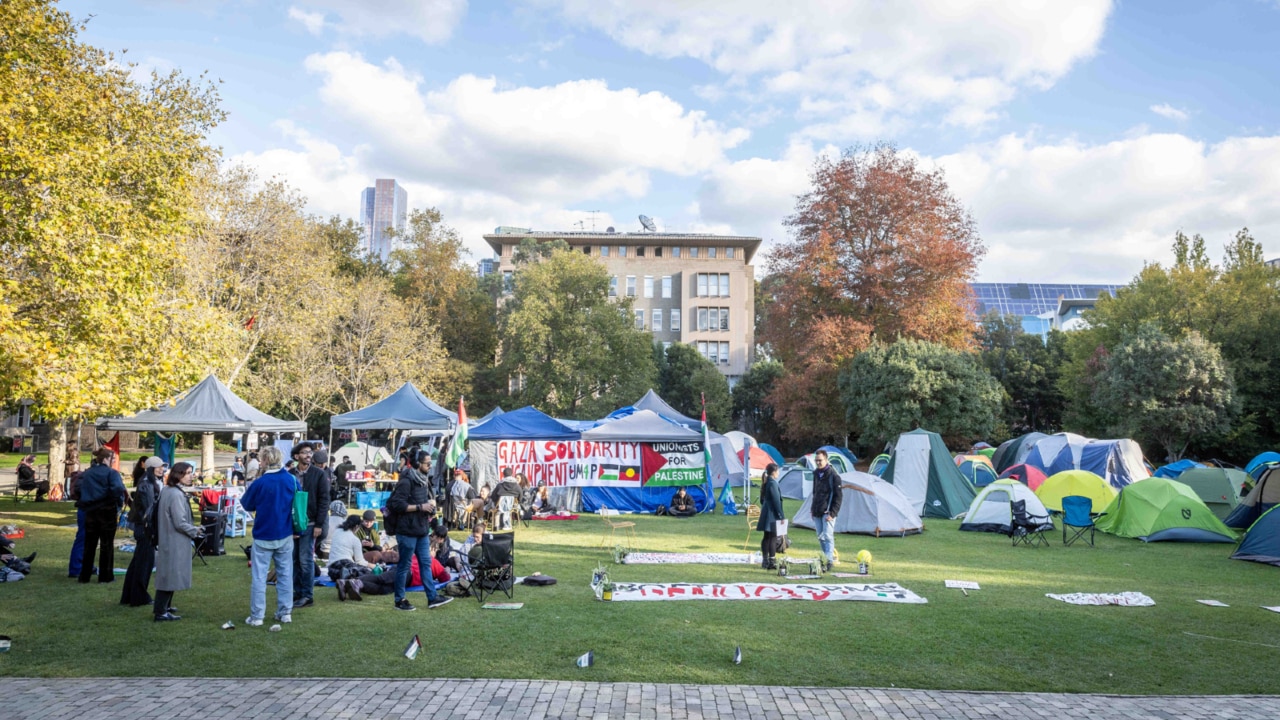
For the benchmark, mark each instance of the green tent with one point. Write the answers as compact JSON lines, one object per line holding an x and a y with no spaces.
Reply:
{"x":1219,"y":488}
{"x":924,"y":471}
{"x":1158,"y":509}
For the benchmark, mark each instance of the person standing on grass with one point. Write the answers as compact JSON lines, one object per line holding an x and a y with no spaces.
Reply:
{"x":315,"y":481}
{"x":102,"y":494}
{"x":415,"y":512}
{"x":770,"y":514}
{"x":270,"y":499}
{"x":827,"y":497}
{"x":175,"y":531}
{"x":138,"y":578}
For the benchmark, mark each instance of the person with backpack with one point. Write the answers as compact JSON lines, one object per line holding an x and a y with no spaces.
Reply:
{"x":138,"y":577}
{"x":270,"y":499}
{"x":412,"y":515}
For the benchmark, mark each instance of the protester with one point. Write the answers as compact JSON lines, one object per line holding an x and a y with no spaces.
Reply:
{"x":76,"y":561}
{"x":337,"y":514}
{"x":415,"y":511}
{"x":102,"y":494}
{"x":237,"y":472}
{"x":27,"y":478}
{"x":270,"y":499}
{"x":461,"y":494}
{"x":542,"y":503}
{"x":682,"y":504}
{"x":340,"y":480}
{"x":345,"y":545}
{"x":528,"y":493}
{"x":175,"y":532}
{"x":770,"y":514}
{"x":315,"y":482}
{"x":370,"y":538}
{"x":252,"y":468}
{"x":138,"y":577}
{"x":827,"y":497}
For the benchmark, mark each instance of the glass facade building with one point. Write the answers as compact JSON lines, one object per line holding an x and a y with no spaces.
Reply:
{"x":383,"y":207}
{"x":1036,"y":303}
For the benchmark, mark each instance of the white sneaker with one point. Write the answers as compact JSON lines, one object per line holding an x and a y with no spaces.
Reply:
{"x":251,"y":622}
{"x":285,"y":619}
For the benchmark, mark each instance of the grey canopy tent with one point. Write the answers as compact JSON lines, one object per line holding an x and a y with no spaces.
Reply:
{"x":404,"y":409}
{"x":208,"y":407}
{"x":642,"y":426}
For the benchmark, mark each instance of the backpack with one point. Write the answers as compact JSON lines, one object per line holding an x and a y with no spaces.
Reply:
{"x":153,"y":524}
{"x":390,"y":521}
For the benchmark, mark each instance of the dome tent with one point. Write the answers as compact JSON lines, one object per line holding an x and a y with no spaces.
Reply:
{"x":1075,"y":482}
{"x":1219,"y":488}
{"x":1160,"y":509}
{"x":923,"y":470}
{"x":796,"y":482}
{"x":976,"y":470}
{"x":1264,"y":496}
{"x":1030,"y":476}
{"x":869,"y":506}
{"x":992,"y":509}
{"x":1261,"y":542}
{"x":1015,"y":451}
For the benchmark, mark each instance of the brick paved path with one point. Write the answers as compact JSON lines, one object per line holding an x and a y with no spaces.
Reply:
{"x":280,"y":699}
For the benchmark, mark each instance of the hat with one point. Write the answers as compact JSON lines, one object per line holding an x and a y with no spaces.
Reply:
{"x":369,"y":515}
{"x":155,"y":461}
{"x":321,"y":457}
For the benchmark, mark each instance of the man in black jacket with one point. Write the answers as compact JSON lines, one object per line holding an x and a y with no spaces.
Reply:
{"x":414,"y":509}
{"x":827,"y":497}
{"x":101,"y":494}
{"x":315,"y":481}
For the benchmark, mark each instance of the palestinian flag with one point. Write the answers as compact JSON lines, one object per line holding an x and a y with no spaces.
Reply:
{"x":458,"y":447}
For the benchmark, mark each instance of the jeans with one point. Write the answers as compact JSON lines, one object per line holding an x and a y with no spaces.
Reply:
{"x":408,"y":545}
{"x":304,"y":565}
{"x":826,"y":536}
{"x":262,"y":559}
{"x":77,"y":548}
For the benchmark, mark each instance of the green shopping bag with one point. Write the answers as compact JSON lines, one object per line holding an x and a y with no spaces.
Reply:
{"x":300,"y":499}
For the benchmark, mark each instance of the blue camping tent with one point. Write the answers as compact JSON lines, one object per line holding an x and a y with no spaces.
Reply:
{"x":1264,"y":496}
{"x":978,"y":473}
{"x":527,"y":423}
{"x":1260,"y":462}
{"x":773,"y":453}
{"x":832,"y":449}
{"x":1173,"y":470}
{"x":1261,"y":543}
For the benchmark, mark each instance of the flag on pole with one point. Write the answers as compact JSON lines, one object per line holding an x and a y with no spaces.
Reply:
{"x":457,"y":447}
{"x":706,"y":456}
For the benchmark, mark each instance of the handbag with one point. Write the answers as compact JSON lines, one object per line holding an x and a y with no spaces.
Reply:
{"x":300,"y":499}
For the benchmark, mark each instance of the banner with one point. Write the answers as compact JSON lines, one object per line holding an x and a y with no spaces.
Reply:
{"x":886,"y":592}
{"x":586,"y":463}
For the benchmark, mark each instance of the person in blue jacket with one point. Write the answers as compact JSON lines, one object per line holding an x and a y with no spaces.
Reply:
{"x":270,"y":499}
{"x":102,"y":494}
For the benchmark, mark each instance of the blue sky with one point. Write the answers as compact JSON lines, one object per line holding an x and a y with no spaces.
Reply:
{"x":1081,"y":135}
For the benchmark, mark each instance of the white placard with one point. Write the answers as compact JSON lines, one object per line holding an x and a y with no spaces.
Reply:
{"x":251,"y":442}
{"x":1213,"y":603}
{"x":780,"y":527}
{"x":1275,"y":609}
{"x":961,"y":584}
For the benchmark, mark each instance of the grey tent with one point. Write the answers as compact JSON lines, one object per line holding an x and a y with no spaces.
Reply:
{"x":495,"y":412}
{"x":726,"y":467}
{"x":208,"y":407}
{"x":404,"y":409}
{"x":796,"y":482}
{"x":642,"y":426}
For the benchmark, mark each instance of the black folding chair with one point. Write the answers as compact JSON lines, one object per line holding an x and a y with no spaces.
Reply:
{"x":494,"y":569}
{"x":1028,"y":529}
{"x":1077,"y":515}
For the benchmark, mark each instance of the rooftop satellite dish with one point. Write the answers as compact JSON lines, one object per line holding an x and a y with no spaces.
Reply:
{"x":610,"y":230}
{"x":648,"y":224}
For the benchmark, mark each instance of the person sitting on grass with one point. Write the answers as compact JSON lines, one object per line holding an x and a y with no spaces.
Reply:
{"x":370,"y":538}
{"x":345,"y":544}
{"x":542,"y":504}
{"x":682,"y":504}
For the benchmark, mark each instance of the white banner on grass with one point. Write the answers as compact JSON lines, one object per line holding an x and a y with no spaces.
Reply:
{"x":885,"y":592}
{"x":646,"y":558}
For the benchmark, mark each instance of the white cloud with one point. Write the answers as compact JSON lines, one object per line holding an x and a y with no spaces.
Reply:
{"x":431,"y":21}
{"x":1166,"y":110}
{"x":879,"y":60}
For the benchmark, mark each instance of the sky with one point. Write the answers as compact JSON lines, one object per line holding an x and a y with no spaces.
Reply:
{"x":1081,"y":135}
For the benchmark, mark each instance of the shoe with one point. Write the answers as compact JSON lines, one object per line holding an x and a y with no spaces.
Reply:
{"x":353,"y":590}
{"x":172,"y":610}
{"x":30,"y":558}
{"x":168,"y":617}
{"x":252,"y":622}
{"x":304,"y":602}
{"x":284,"y":619}
{"x":440,"y":600}
{"x":341,"y":586}
{"x":405,"y":605}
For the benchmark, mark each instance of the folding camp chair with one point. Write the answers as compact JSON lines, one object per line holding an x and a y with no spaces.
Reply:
{"x":753,"y":516}
{"x":1027,"y":529}
{"x":494,"y":571}
{"x":614,"y":526}
{"x":1077,"y":514}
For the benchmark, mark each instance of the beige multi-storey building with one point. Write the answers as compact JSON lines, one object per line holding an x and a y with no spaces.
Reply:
{"x":695,"y":289}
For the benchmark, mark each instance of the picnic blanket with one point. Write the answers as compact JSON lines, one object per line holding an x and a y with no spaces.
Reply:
{"x":883,"y":592}
{"x":1124,"y":599}
{"x":651,"y":558}
{"x":555,"y":517}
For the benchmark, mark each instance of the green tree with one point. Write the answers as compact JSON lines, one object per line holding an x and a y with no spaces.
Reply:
{"x":752,"y":412}
{"x":1171,"y":390}
{"x":890,"y":389}
{"x":96,"y":185}
{"x":685,"y":377}
{"x":344,"y":240}
{"x":1028,"y":369}
{"x":565,"y":346}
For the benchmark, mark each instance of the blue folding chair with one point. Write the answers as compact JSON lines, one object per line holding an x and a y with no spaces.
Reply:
{"x":1077,"y":515}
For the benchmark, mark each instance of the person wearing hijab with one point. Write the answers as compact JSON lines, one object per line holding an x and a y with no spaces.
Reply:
{"x":175,"y":533}
{"x":138,"y":577}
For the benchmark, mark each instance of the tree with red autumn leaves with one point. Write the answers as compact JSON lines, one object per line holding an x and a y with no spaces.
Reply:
{"x":880,"y":249}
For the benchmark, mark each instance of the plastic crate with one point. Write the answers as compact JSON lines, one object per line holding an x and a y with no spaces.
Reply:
{"x":372,"y":500}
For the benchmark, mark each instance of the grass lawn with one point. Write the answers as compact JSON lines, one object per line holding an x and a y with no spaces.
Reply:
{"x":1006,"y":636}
{"x":127,"y":459}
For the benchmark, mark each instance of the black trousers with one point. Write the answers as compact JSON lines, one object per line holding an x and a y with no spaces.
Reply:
{"x":100,"y":531}
{"x":164,"y":601}
{"x":138,"y":578}
{"x":769,"y":549}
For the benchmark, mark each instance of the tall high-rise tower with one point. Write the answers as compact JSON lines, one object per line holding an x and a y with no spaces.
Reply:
{"x":383,"y":207}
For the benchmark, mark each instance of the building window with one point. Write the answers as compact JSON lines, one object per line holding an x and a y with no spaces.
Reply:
{"x":648,"y":286}
{"x":728,"y":253}
{"x":675,"y":252}
{"x":711,"y":253}
{"x":640,"y":251}
{"x":702,"y":348}
{"x":703,"y":322}
{"x":586,"y":249}
{"x":724,"y":353}
{"x":656,"y":323}
{"x":702,"y":284}
{"x":713,"y":352}
{"x":639,"y":319}
{"x":508,"y":281}
{"x":675,"y":319}
{"x":622,"y":251}
{"x":713,"y":284}
{"x":604,"y":251}
{"x":666,"y":287}
{"x":724,"y":318}
{"x":631,"y":286}
{"x":724,"y":285}
{"x":613,"y":286}
{"x":693,"y":252}
{"x":657,"y":252}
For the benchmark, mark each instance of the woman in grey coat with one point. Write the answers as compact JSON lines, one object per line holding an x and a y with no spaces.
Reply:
{"x":175,"y":531}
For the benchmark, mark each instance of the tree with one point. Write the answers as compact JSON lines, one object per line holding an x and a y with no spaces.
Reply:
{"x":1028,"y":369}
{"x":880,"y":249}
{"x":890,"y":389}
{"x":685,"y":377}
{"x":1171,"y":390}
{"x":96,"y":183}
{"x":752,"y":412}
{"x":565,"y":346}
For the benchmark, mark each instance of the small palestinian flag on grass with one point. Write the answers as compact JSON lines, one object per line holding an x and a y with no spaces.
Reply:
{"x":414,"y":645}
